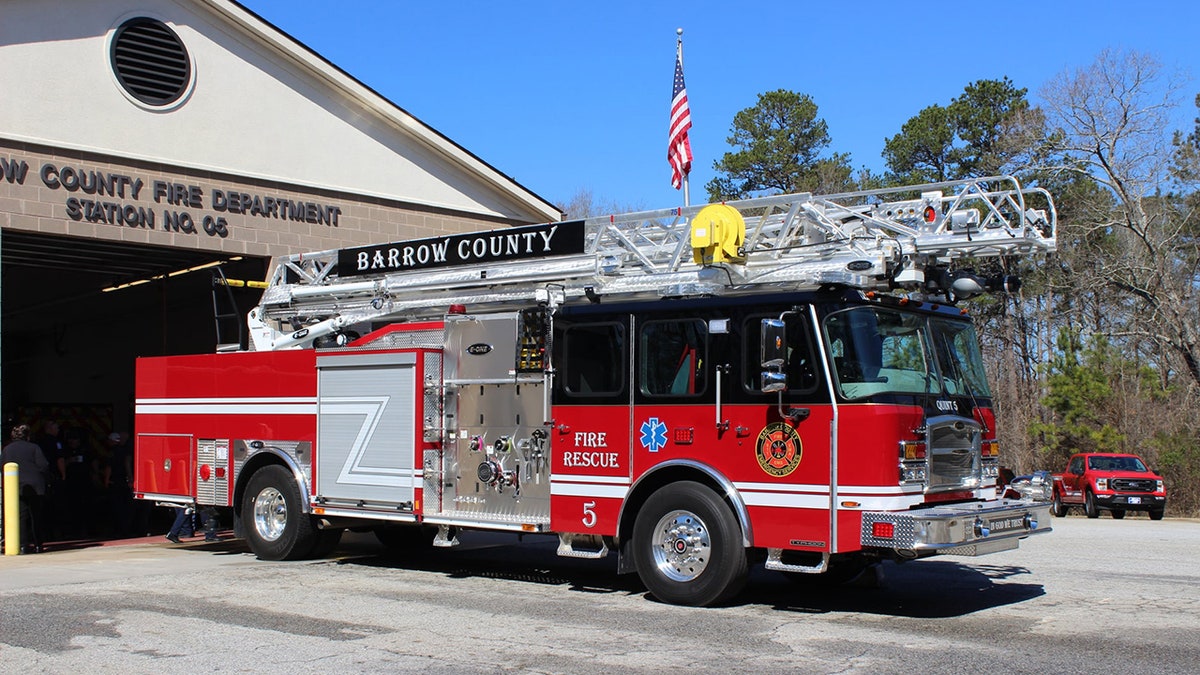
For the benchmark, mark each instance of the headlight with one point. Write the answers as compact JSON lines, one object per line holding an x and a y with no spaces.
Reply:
{"x":1102,"y":484}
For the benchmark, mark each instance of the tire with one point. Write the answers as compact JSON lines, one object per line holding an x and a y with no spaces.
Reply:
{"x":1118,"y":514}
{"x":1089,"y":505}
{"x":272,"y":516}
{"x":1057,"y":508}
{"x":1156,"y":515}
{"x":688,"y":546}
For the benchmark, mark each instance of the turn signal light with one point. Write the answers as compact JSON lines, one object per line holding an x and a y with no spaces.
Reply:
{"x":910,"y":450}
{"x":990,"y":448}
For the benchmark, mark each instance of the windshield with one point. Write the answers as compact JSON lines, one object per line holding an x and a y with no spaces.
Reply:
{"x":877,"y":350}
{"x":1126,"y":463}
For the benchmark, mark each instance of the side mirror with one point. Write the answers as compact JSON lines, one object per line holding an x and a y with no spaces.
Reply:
{"x":772,"y":381}
{"x":772,"y":353}
{"x":773,"y":345}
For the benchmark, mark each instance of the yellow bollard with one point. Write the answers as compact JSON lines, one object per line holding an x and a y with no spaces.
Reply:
{"x":12,"y":510}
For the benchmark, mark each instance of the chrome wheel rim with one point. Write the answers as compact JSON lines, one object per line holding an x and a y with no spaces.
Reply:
{"x":270,"y":514}
{"x":683,"y":546}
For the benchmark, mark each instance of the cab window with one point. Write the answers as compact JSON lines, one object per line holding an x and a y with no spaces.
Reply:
{"x":800,"y":369}
{"x":594,"y":358}
{"x":673,"y":357}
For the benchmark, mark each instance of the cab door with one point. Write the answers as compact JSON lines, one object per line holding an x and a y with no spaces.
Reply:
{"x":677,"y":370}
{"x":590,"y":440}
{"x":1073,"y":480}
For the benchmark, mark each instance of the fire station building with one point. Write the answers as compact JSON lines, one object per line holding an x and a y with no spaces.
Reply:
{"x":149,"y":148}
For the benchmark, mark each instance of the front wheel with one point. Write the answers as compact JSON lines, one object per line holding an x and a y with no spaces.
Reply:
{"x":272,"y":516}
{"x":1118,"y":514}
{"x":687,"y":546}
{"x":1156,"y":514}
{"x":1089,"y":505}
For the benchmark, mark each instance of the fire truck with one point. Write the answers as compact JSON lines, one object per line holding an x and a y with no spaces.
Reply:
{"x":786,"y":380}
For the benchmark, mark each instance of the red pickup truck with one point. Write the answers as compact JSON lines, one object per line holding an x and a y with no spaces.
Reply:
{"x":1111,"y":481}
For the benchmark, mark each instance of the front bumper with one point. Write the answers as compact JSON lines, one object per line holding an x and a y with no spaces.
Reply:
{"x":956,"y":529}
{"x":1131,"y":502}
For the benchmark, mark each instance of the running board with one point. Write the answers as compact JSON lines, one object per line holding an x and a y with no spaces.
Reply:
{"x":775,"y":562}
{"x":566,"y":546}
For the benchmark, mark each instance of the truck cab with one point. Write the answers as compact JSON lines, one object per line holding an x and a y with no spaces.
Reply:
{"x":1113,"y":482}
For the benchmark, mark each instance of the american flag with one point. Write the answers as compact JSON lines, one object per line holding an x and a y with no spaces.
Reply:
{"x":679,"y":150}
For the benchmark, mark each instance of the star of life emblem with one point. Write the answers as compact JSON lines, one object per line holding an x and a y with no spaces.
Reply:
{"x":654,"y":435}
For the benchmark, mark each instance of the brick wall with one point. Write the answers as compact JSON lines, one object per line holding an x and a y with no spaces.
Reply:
{"x":64,"y":192}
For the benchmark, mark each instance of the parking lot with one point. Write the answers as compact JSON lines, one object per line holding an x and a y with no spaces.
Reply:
{"x":1092,"y":596}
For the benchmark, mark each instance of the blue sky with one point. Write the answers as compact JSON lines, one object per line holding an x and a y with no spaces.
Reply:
{"x":566,"y":96}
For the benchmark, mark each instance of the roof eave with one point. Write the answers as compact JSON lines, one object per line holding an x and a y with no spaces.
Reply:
{"x":385,"y":108}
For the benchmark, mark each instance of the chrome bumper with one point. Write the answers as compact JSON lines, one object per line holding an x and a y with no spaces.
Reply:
{"x":956,"y":529}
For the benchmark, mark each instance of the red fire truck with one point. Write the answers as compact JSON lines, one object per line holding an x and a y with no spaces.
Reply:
{"x":785,"y":379}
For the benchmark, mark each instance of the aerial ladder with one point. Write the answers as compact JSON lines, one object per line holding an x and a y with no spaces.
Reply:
{"x":903,"y":239}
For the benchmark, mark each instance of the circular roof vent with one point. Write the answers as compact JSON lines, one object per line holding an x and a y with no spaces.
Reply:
{"x":150,"y":61}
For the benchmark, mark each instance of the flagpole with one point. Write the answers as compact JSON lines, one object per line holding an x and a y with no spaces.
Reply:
{"x":679,"y":148}
{"x":679,"y":55}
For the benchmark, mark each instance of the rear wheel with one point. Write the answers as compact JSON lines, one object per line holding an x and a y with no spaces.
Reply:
{"x":1118,"y":514}
{"x":1156,"y":515}
{"x":1089,"y":505}
{"x":272,"y":516}
{"x":687,"y":546}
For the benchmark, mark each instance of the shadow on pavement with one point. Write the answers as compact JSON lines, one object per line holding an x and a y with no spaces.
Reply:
{"x":939,"y":588}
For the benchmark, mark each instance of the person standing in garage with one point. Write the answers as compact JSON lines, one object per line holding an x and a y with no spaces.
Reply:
{"x":55,"y":500}
{"x":31,"y":469}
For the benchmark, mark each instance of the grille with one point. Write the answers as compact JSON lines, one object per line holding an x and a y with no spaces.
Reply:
{"x":150,"y":61}
{"x":1133,"y":484}
{"x":953,"y":456}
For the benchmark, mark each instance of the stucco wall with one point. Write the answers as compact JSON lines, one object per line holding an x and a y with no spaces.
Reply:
{"x":260,"y":105}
